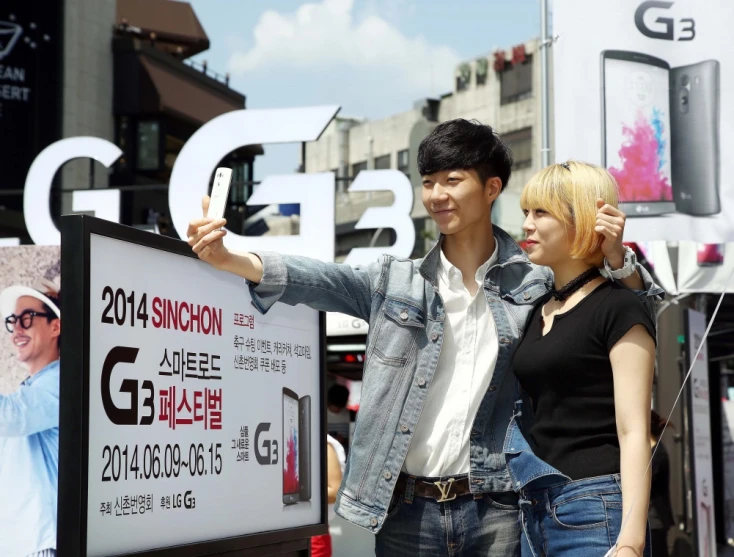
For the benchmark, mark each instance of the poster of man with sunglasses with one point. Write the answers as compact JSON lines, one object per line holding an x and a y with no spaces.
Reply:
{"x":29,"y":417}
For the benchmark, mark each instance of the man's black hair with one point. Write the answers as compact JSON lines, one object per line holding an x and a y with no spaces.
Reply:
{"x":338,"y":395}
{"x":465,"y":145}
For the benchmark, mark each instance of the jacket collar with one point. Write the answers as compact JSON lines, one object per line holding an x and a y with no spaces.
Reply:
{"x":508,"y":252}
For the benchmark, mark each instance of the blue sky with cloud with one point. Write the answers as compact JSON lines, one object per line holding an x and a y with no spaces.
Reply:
{"x":371,"y":57}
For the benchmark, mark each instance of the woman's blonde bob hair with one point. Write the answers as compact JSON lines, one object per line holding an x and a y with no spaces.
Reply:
{"x":569,"y":191}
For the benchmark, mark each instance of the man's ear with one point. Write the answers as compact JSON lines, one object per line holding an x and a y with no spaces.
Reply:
{"x":56,"y":327}
{"x":492,"y":188}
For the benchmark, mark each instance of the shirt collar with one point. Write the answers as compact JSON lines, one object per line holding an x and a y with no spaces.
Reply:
{"x":446,"y":270}
{"x":29,"y":380}
{"x":508,"y":251}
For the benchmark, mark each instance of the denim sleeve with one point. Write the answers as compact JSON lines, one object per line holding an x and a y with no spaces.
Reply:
{"x":323,"y":286}
{"x":652,"y":294}
{"x":31,"y":409}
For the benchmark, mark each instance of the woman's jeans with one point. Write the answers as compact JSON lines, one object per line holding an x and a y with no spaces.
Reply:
{"x":561,"y":517}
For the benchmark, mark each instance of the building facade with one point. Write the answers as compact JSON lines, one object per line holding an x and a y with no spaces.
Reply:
{"x":119,"y":70}
{"x":501,"y":89}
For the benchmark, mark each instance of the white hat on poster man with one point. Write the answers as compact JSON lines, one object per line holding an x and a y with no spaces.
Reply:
{"x":10,"y":295}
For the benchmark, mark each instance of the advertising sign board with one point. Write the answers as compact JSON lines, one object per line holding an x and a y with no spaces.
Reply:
{"x":190,"y":423}
{"x":643,"y":88}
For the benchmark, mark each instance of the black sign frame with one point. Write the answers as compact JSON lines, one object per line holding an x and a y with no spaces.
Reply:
{"x":74,"y":418}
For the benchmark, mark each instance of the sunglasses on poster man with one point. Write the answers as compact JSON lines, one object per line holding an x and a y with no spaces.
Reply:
{"x":25,"y":319}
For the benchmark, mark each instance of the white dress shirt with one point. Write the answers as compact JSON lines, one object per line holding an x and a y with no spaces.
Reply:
{"x":440,"y":444}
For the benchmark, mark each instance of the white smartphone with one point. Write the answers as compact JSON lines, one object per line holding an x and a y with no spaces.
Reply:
{"x":220,"y":193}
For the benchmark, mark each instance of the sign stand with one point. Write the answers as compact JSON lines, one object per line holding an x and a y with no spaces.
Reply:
{"x":698,"y":427}
{"x":227,"y":500}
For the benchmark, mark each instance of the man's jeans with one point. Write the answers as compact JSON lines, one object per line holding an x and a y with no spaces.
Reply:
{"x":486,"y":526}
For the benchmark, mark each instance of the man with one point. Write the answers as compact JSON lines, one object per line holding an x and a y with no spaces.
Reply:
{"x":29,"y":424}
{"x":426,"y":469}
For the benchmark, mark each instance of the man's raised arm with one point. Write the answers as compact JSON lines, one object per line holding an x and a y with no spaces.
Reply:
{"x":273,"y":277}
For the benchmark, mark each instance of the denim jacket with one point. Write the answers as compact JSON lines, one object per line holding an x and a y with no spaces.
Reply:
{"x":399,"y":299}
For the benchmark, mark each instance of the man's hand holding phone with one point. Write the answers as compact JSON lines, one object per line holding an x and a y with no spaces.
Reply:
{"x":206,"y":238}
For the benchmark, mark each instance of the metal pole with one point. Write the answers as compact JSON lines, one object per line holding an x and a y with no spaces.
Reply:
{"x":544,"y":85}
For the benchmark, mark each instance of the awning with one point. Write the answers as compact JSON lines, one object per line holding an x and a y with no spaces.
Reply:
{"x":702,"y":269}
{"x":185,"y":97}
{"x":172,"y":22}
{"x":705,"y":268}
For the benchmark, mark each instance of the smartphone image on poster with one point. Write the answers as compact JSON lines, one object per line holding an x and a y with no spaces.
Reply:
{"x":694,"y":100}
{"x":636,"y":130}
{"x":304,"y":425}
{"x":291,"y":440}
{"x":710,"y":255}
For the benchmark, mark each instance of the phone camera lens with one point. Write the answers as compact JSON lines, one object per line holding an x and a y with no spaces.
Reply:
{"x":684,"y":101}
{"x":684,"y":80}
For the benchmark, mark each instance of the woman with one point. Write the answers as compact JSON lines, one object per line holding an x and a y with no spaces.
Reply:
{"x":661,"y":512}
{"x":586,"y":361}
{"x":335,"y":463}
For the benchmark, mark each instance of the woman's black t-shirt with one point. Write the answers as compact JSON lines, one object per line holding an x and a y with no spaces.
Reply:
{"x":568,"y":375}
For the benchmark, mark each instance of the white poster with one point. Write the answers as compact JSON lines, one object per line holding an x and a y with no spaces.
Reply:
{"x":644,"y":88}
{"x":703,"y":480}
{"x":203,"y":414}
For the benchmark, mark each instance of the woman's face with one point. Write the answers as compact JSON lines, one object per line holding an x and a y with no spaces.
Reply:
{"x":548,"y":238}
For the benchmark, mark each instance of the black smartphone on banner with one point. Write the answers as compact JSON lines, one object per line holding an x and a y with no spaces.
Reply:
{"x":636,"y":130}
{"x":291,"y":440}
{"x":694,"y":99}
{"x":304,"y":469}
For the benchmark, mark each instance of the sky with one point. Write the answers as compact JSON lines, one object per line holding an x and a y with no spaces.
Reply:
{"x":374,"y":58}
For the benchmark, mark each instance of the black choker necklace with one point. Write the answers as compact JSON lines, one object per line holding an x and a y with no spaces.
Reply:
{"x":565,"y":291}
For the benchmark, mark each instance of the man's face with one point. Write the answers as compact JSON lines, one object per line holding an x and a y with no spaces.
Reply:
{"x":457,"y":199}
{"x":39,"y":341}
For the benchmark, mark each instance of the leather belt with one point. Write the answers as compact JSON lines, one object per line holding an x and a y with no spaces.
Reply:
{"x":440,"y":490}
